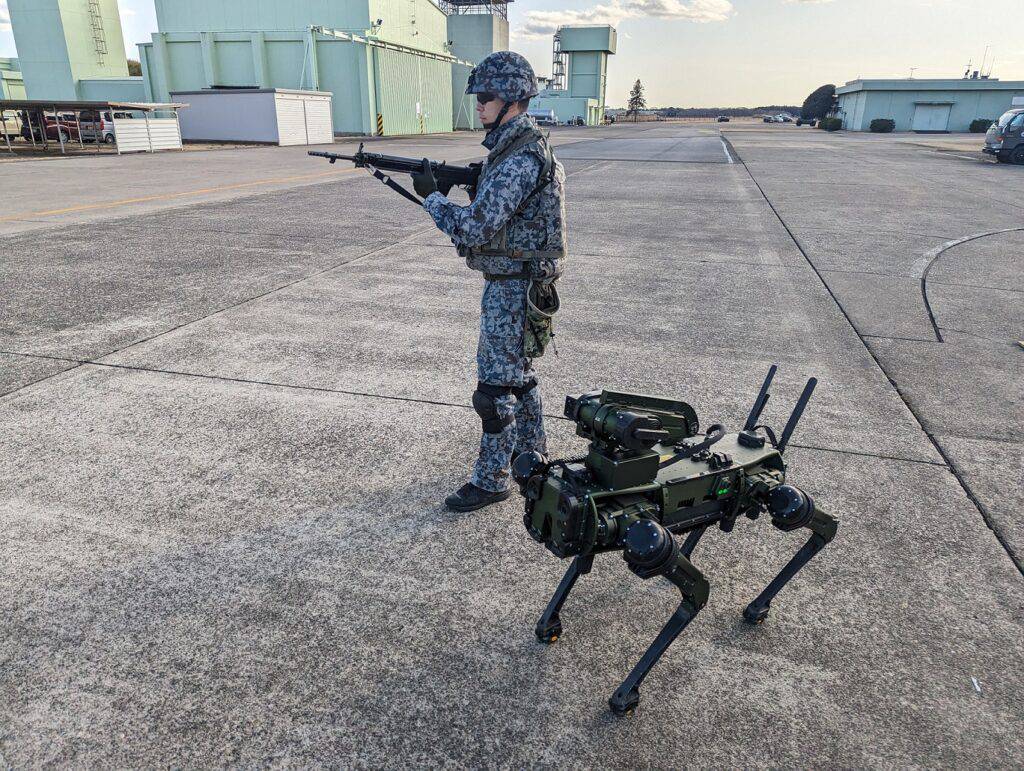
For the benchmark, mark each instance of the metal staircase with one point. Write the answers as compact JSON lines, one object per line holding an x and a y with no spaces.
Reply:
{"x":558,"y":63}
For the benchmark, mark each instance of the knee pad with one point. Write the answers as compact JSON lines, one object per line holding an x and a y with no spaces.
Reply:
{"x":484,"y":404}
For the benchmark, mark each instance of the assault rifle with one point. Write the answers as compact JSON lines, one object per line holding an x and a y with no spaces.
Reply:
{"x":447,"y":176}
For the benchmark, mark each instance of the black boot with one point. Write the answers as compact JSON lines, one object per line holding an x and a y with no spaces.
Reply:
{"x":469,"y":497}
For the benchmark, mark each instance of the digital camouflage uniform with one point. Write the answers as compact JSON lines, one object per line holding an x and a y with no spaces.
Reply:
{"x":508,"y":218}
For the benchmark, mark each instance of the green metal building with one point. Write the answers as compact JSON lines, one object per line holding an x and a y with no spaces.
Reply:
{"x":388,"y":63}
{"x":925,"y":105}
{"x":476,"y":28}
{"x":12,"y":85}
{"x":579,"y":74}
{"x":72,"y":50}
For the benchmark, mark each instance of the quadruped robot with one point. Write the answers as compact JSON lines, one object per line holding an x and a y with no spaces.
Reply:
{"x":649,"y":476}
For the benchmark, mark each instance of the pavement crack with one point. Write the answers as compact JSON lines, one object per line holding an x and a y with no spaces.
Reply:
{"x":953,"y":469}
{"x":905,"y":339}
{"x":869,"y":455}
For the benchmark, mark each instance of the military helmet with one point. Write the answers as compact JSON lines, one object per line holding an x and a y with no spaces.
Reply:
{"x":505,"y":74}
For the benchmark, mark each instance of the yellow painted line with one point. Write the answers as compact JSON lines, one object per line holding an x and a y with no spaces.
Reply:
{"x":170,"y":196}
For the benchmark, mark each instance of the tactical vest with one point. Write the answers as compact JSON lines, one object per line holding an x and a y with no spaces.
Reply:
{"x":498,"y":245}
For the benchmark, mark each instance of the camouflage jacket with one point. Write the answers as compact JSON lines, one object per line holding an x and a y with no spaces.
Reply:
{"x":497,"y":223}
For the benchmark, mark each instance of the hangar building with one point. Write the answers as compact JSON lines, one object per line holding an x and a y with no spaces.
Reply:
{"x":925,"y":105}
{"x":393,"y":66}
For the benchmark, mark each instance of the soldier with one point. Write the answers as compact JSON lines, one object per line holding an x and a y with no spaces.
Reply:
{"x":513,"y":232}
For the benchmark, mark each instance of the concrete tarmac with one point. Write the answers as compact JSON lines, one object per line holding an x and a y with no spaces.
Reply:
{"x":230,"y":419}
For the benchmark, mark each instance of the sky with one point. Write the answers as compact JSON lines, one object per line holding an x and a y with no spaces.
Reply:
{"x":743,"y":53}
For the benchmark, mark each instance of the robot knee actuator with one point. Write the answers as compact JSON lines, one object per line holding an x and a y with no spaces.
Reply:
{"x":650,"y":550}
{"x":791,"y":508}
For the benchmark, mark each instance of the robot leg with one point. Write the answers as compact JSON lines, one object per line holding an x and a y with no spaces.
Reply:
{"x":651,"y":551}
{"x":791,"y":508}
{"x":549,"y":627}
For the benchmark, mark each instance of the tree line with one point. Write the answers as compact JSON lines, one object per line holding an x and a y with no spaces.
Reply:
{"x":817,"y":105}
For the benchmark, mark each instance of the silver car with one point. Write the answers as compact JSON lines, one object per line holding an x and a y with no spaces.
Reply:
{"x":100,"y":126}
{"x":1005,"y":137}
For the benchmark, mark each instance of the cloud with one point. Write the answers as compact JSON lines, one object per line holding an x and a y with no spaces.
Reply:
{"x":540,"y":24}
{"x":5,"y":17}
{"x":806,"y":2}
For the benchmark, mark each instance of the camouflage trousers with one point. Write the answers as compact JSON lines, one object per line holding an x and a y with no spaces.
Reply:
{"x":500,"y":362}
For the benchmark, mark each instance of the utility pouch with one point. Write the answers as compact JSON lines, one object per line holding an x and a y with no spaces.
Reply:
{"x":542,"y":304}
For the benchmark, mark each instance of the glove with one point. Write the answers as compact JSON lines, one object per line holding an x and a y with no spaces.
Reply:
{"x":423,"y":182}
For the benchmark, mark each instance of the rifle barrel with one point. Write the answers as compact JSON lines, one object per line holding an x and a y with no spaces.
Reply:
{"x":334,"y":156}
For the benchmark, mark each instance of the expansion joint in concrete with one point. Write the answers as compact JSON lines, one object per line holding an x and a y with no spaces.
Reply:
{"x":904,"y":339}
{"x":953,"y":469}
{"x":369,"y":395}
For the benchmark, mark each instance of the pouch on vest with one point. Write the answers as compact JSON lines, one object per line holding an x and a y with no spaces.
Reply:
{"x":541,"y":306}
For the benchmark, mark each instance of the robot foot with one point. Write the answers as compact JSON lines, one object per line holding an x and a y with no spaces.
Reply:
{"x":756,"y":614}
{"x":549,"y":630}
{"x":623,"y":702}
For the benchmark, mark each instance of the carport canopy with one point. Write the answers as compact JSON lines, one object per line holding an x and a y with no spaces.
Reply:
{"x":38,"y":107}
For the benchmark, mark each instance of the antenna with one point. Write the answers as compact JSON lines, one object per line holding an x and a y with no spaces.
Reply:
{"x":798,"y":410}
{"x":760,"y":401}
{"x":912,"y":72}
{"x":967,"y":72}
{"x":983,"y":58}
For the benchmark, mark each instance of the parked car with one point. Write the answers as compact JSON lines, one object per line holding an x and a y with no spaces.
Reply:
{"x":783,"y":118}
{"x":62,"y":127}
{"x":59,"y":128}
{"x":101,"y":125}
{"x":807,"y":122}
{"x":29,"y":127}
{"x":1005,"y":138}
{"x":722,"y":118}
{"x":769,"y":119}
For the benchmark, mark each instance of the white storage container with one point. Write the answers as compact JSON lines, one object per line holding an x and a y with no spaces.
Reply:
{"x":271,"y":115}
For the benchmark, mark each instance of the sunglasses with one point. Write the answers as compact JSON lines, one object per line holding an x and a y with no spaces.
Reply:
{"x":485,"y":98}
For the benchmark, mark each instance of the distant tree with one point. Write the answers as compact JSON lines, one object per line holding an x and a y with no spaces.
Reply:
{"x":775,"y":109}
{"x":134,"y":67}
{"x":636,"y":99}
{"x":819,"y":103}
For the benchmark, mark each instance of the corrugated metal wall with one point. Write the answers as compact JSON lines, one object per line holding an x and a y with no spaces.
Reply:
{"x":417,"y":23}
{"x":463,"y":105}
{"x":414,"y":93}
{"x":339,"y":69}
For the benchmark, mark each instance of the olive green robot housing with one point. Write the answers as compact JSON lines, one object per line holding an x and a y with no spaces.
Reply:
{"x":649,"y":475}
